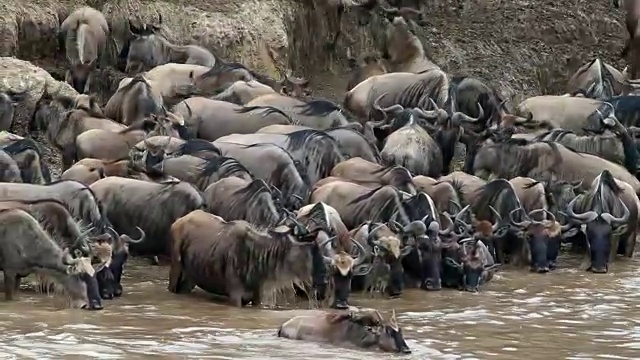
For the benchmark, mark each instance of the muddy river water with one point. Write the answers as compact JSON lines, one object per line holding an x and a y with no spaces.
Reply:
{"x":566,"y":314}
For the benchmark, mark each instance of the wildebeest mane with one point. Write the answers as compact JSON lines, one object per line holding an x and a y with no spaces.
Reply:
{"x":516,"y":158}
{"x":321,"y":151}
{"x":223,"y":166}
{"x":319,"y":107}
{"x":195,"y":146}
{"x":399,"y":172}
{"x":24,"y":145}
{"x":417,"y":94}
{"x":266,"y":110}
{"x":246,"y":200}
{"x":221,"y":68}
{"x":375,"y":211}
{"x":498,"y":193}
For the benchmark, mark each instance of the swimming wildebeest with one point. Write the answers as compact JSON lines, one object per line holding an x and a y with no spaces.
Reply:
{"x":365,"y":329}
{"x":26,"y":248}
{"x":597,"y":79}
{"x":8,"y":101}
{"x":316,"y":151}
{"x":86,"y":38}
{"x":608,"y":216}
{"x":211,"y":119}
{"x":233,"y":198}
{"x":148,"y":48}
{"x":235,"y":260}
{"x":366,"y":173}
{"x":153,"y":207}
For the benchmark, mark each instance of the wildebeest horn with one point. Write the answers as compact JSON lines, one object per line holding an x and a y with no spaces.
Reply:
{"x":361,"y":253}
{"x":568,"y":225}
{"x":325,"y":242}
{"x":392,"y":109}
{"x":85,"y":233}
{"x":417,"y":227}
{"x":372,"y":232}
{"x":522,"y":224}
{"x":537,"y":211}
{"x":456,"y":204}
{"x":449,"y":228}
{"x":113,"y":232}
{"x":126,"y":238}
{"x":67,"y":259}
{"x":498,"y":217}
{"x":584,"y":218}
{"x":464,"y":117}
{"x":611,"y":220}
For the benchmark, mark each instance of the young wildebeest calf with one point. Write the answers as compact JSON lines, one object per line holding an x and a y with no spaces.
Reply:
{"x":364,"y":328}
{"x":233,"y":259}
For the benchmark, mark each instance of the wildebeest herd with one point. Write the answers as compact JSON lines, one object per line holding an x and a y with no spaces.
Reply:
{"x":251,"y":188}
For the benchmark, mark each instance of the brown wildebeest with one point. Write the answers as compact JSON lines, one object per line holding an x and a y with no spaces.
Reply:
{"x":444,"y":194}
{"x":148,"y":48}
{"x":88,"y":171}
{"x":363,"y":329}
{"x":607,"y":214}
{"x":404,"y":50}
{"x":364,"y":67}
{"x":466,"y":185}
{"x":366,"y":173}
{"x":597,"y":80}
{"x":86,"y":42}
{"x":211,"y":119}
{"x":257,"y":262}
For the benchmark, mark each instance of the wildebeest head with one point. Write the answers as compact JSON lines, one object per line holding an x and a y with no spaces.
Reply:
{"x":364,"y":67}
{"x":120,"y":254}
{"x":141,"y":49}
{"x":542,"y":237}
{"x":474,"y":262}
{"x":171,"y":124}
{"x":153,"y":154}
{"x":604,"y":116}
{"x":218,"y":78}
{"x":597,"y":221}
{"x":80,"y":282}
{"x":296,"y":87}
{"x":79,"y":76}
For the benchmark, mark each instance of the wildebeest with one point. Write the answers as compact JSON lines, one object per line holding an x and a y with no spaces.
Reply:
{"x":86,"y":34}
{"x":351,"y":141}
{"x":211,"y":119}
{"x":366,"y":173}
{"x":597,"y":79}
{"x":466,"y":185}
{"x":235,"y":260}
{"x":606,"y":220}
{"x":153,"y":207}
{"x":318,"y":114}
{"x":568,"y":113}
{"x":148,"y":48}
{"x":317,"y":152}
{"x":218,"y":78}
{"x":275,"y":166}
{"x":366,"y":66}
{"x":8,"y":102}
{"x":26,"y":248}
{"x":539,"y":244}
{"x":241,"y":92}
{"x":28,"y":156}
{"x":88,"y":171}
{"x":363,"y":329}
{"x":404,"y":50}
{"x":233,"y":198}
{"x":9,"y":170}
{"x":134,"y":101}
{"x":546,"y":160}
{"x":444,"y":194}
{"x":474,"y":263}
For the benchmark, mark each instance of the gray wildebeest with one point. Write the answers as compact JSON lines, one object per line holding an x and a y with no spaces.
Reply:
{"x":316,"y":151}
{"x":364,"y":67}
{"x":444,"y":194}
{"x":233,"y":198}
{"x":131,"y":204}
{"x":632,"y":14}
{"x":364,"y":328}
{"x":616,"y":146}
{"x":86,"y":34}
{"x":9,"y":170}
{"x":404,"y":50}
{"x":401,"y":88}
{"x":28,"y":156}
{"x":27,"y":248}
{"x":235,"y":260}
{"x":566,"y":112}
{"x":545,"y":160}
{"x":241,"y":92}
{"x":366,"y":173}
{"x":607,"y":214}
{"x":8,"y":102}
{"x":275,"y":166}
{"x":539,"y":244}
{"x":134,"y":101}
{"x":148,"y":48}
{"x":597,"y":80}
{"x":211,"y":119}
{"x":317,"y":114}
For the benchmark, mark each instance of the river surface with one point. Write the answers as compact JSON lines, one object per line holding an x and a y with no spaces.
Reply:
{"x":566,"y":314}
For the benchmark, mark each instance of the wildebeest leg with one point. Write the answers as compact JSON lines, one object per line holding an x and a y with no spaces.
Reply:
{"x":629,"y":245}
{"x":10,"y":290}
{"x":499,"y":249}
{"x":615,"y":243}
{"x":256,"y":297}
{"x":155,"y":261}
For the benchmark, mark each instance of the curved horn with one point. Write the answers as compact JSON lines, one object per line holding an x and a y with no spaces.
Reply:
{"x":582,"y":218}
{"x":466,"y":118}
{"x":113,"y":232}
{"x":522,"y":224}
{"x":67,"y":259}
{"x":129,"y":240}
{"x":325,"y":242}
{"x":449,"y":228}
{"x":391,"y":109}
{"x":362,"y":253}
{"x":536,"y":211}
{"x":611,"y":220}
{"x":498,"y":217}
